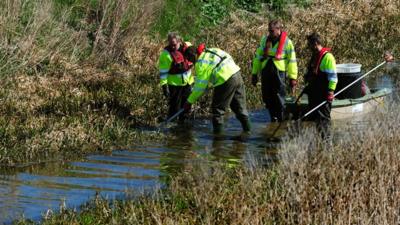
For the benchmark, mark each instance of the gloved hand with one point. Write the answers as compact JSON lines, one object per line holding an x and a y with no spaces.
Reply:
{"x":187,"y":106}
{"x":254,"y":79}
{"x":165,"y":90}
{"x":293,"y":84}
{"x":330,"y":96}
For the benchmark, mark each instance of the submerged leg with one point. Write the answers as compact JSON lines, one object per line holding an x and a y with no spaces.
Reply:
{"x":238,"y":104}
{"x":222,"y":98}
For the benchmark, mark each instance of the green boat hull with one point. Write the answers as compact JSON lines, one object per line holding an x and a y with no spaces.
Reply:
{"x":342,"y":108}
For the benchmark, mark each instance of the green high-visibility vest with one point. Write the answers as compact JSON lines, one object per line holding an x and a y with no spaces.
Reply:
{"x":288,"y":62}
{"x":213,"y":68}
{"x":179,"y":79}
{"x":328,"y":67}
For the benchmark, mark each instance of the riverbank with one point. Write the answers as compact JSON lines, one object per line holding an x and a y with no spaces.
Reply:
{"x":80,"y":77}
{"x":355,"y":180}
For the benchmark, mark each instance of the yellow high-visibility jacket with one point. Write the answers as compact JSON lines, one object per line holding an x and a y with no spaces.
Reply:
{"x":328,"y":67}
{"x":213,"y":68}
{"x":288,"y":62}
{"x":165,"y":64}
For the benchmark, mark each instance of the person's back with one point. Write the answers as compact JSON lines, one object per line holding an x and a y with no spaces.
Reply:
{"x":216,"y":68}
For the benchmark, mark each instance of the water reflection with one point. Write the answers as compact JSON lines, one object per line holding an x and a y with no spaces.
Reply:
{"x":33,"y":190}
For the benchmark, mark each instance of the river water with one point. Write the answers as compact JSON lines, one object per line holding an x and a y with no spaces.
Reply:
{"x":31,"y":192}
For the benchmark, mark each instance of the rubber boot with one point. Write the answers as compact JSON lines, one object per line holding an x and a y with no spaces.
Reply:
{"x":217,"y":128}
{"x":246,"y":125}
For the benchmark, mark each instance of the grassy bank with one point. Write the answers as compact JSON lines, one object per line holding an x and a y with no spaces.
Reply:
{"x":354,"y":181}
{"x":68,"y":86}
{"x":79,"y":76}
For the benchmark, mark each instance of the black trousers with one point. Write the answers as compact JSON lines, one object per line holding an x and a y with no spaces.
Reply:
{"x":177,"y":97}
{"x":232,"y":93}
{"x":321,"y":116}
{"x":273,"y":89}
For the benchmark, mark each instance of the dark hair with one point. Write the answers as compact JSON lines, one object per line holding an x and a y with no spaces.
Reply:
{"x":174,"y":35}
{"x":276,"y":24}
{"x":191,"y":54}
{"x":314,"y":38}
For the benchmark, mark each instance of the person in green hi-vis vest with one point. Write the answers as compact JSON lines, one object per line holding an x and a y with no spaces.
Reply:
{"x":175,"y":74}
{"x":275,"y":59}
{"x":215,"y":68}
{"x":321,"y":78}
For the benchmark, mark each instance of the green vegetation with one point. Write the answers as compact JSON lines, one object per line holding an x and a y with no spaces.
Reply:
{"x":64,"y":90}
{"x":80,"y":76}
{"x":355,"y":181}
{"x":190,"y":18}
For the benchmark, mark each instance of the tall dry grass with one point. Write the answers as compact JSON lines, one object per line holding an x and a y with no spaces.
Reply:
{"x":353,"y":181}
{"x":66,"y":86}
{"x":39,"y":33}
{"x":59,"y":96}
{"x":94,"y":77}
{"x":357,"y":32}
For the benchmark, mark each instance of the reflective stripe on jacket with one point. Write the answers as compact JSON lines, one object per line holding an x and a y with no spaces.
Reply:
{"x":213,"y":68}
{"x":327,"y":67}
{"x":287,"y":63}
{"x":165,"y":64}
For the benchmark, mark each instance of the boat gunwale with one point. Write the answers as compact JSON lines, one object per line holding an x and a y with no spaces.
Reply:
{"x":339,"y":103}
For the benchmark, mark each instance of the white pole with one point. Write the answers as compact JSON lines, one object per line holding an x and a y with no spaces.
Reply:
{"x":324,"y":102}
{"x":175,"y":115}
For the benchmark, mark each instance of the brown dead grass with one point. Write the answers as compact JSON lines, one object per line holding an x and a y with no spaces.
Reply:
{"x":354,"y":181}
{"x":45,"y":74}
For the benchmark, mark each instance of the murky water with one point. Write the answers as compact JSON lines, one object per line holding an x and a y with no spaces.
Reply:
{"x":32,"y":191}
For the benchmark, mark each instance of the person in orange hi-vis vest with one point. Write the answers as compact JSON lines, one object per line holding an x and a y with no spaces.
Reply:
{"x":321,"y":78}
{"x":275,"y":59}
{"x":175,"y":74}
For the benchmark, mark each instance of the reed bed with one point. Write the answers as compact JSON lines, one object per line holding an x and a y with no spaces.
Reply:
{"x":352,"y":181}
{"x":79,"y":77}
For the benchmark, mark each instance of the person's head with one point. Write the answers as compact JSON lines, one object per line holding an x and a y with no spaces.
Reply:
{"x":275,"y":28}
{"x":314,"y":42}
{"x":191,"y":54}
{"x":174,"y":41}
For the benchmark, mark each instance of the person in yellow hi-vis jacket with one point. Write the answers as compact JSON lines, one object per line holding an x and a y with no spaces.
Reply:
{"x":275,"y":59}
{"x":216,"y":68}
{"x":175,"y":74}
{"x":321,"y":79}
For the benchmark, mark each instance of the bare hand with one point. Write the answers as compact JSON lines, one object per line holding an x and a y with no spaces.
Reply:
{"x":388,"y":56}
{"x":330,"y":96}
